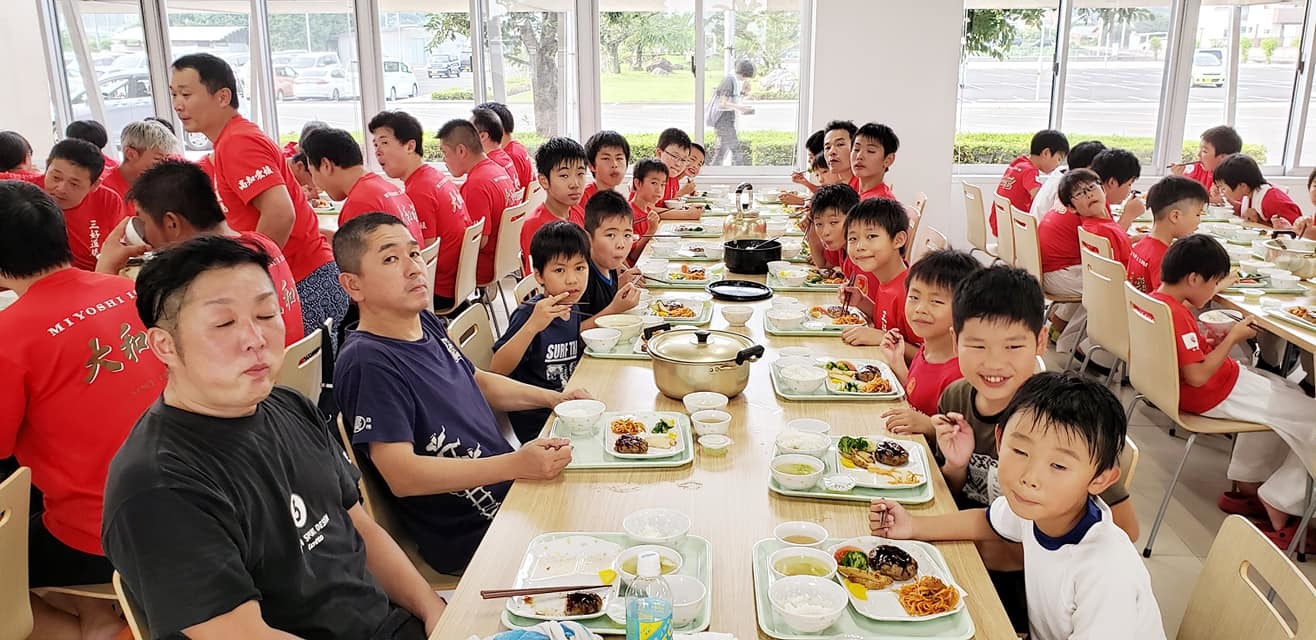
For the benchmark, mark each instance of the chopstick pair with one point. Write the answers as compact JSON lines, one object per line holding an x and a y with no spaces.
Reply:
{"x":854,"y":277}
{"x":490,"y":594}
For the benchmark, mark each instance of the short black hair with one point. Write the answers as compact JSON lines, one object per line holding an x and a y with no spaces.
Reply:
{"x":884,"y":213}
{"x":604,"y":205}
{"x":350,"y":239}
{"x":1172,"y":190}
{"x":32,"y":233}
{"x":745,"y":68}
{"x":647,"y":167}
{"x":597,"y":142}
{"x":1000,"y":294}
{"x":178,"y":186}
{"x":1198,"y":253}
{"x":300,"y":158}
{"x":89,"y":130}
{"x":14,"y":149}
{"x":164,"y":121}
{"x":841,"y":197}
{"x":844,"y":125}
{"x":673,"y":136}
{"x":880,"y":133}
{"x":557,"y":239}
{"x":458,"y":132}
{"x":308,"y":127}
{"x":214,"y":73}
{"x":814,"y":143}
{"x":820,"y":162}
{"x":166,"y":277}
{"x":1119,"y":164}
{"x":504,"y":115}
{"x":1071,"y":181}
{"x":1224,"y":138}
{"x":1239,"y":169}
{"x":405,"y":127}
{"x":81,"y":153}
{"x":695,"y":146}
{"x":556,"y":152}
{"x":1049,"y":139}
{"x":1311,"y":177}
{"x":943,"y":268}
{"x":1077,"y":407}
{"x":487,"y":121}
{"x":335,"y":145}
{"x":1080,"y":157}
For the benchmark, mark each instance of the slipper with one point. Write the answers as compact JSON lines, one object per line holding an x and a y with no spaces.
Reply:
{"x":1240,"y":504}
{"x":1283,"y":538}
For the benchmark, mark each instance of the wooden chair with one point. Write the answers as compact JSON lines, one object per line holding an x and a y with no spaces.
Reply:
{"x":378,"y":502}
{"x":920,"y":201}
{"x":1228,"y":602}
{"x":431,"y":256}
{"x":466,"y":264}
{"x":474,"y":336}
{"x":15,"y":509}
{"x":1027,"y":249}
{"x":1096,"y":243}
{"x":535,"y":195}
{"x":976,"y":220}
{"x":526,"y":289}
{"x":507,"y":256}
{"x":1103,"y":296}
{"x":927,"y":241}
{"x":1007,"y":240}
{"x":301,"y":367}
{"x":1154,"y":374}
{"x":1128,"y":463}
{"x":131,"y":611}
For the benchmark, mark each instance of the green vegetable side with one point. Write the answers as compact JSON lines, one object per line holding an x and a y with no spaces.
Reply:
{"x":848,"y":444}
{"x":663,"y":426}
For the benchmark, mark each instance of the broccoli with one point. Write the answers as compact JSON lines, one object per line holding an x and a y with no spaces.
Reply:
{"x":854,"y":559}
{"x":848,"y":444}
{"x":663,"y":426}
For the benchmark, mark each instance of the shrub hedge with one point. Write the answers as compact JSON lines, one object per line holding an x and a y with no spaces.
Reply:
{"x":1002,"y":148}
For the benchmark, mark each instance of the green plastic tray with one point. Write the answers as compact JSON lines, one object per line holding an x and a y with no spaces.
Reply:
{"x":588,"y":452}
{"x":824,"y":394}
{"x":912,"y":495}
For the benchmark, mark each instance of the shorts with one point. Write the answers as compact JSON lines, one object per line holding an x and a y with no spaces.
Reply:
{"x":400,"y":625}
{"x":52,"y":563}
{"x":322,"y":297}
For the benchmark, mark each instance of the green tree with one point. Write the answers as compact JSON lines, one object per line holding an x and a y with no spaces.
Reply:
{"x":1156,"y":43}
{"x":1268,"y":47}
{"x":992,"y":32}
{"x":1111,"y":19}
{"x":290,"y":30}
{"x":762,"y":37}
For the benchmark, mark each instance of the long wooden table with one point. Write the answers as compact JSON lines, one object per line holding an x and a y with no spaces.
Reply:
{"x":727,"y":498}
{"x":1300,"y":337}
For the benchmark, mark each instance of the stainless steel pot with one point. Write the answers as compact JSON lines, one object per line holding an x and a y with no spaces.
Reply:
{"x":689,"y":361}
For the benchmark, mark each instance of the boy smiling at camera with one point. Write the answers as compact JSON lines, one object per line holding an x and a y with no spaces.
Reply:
{"x":608,"y":223}
{"x":876,"y":232}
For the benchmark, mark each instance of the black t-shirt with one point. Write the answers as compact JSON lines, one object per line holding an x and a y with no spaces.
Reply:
{"x":203,"y":514}
{"x":599,"y":292}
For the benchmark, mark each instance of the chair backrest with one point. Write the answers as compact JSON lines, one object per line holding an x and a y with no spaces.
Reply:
{"x":1026,"y":249}
{"x":1128,"y":462}
{"x":15,"y":608}
{"x":920,"y":201}
{"x":507,"y":253}
{"x":975,"y":216}
{"x":927,"y":241}
{"x":466,"y":263}
{"x":526,"y":289}
{"x":1094,"y":242}
{"x":301,"y":366}
{"x":1229,"y":602}
{"x":131,"y":610}
{"x":474,"y":336}
{"x":535,"y":194}
{"x":1005,"y":239}
{"x":431,"y":257}
{"x":375,"y":494}
{"x":1103,"y":297}
{"x":1154,"y":365}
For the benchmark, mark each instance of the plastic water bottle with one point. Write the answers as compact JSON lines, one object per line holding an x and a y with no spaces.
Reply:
{"x":649,"y":602}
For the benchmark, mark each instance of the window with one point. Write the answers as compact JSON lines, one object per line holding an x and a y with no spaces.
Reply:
{"x":530,"y":65}
{"x":223,"y":33}
{"x":433,"y":51}
{"x":112,"y":38}
{"x":317,"y":40}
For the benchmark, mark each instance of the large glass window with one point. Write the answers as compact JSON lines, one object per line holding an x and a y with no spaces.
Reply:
{"x":196,"y":27}
{"x":646,"y":73}
{"x":314,"y":52}
{"x":530,"y":61}
{"x":111,"y":36}
{"x":436,"y":47}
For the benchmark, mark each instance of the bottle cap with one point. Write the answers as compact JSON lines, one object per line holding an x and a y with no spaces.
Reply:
{"x":649,"y":565}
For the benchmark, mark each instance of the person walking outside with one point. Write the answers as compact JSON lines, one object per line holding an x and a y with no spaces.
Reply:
{"x":723,"y":112}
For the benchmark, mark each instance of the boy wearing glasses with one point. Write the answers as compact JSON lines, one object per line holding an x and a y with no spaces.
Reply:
{"x":674,"y":152}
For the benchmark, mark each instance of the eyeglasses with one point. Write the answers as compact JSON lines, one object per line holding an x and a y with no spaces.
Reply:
{"x":1088,"y":189}
{"x":674,"y":157}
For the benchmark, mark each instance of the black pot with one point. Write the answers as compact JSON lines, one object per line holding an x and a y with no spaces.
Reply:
{"x":750,"y":256}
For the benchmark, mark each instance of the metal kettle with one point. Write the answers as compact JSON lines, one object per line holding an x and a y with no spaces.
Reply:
{"x":744,"y":222}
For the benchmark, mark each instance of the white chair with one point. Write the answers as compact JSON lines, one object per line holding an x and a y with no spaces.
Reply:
{"x":431,"y":256}
{"x":1007,"y":240}
{"x":927,"y":241}
{"x":1095,"y":243}
{"x":131,"y":611}
{"x":15,"y":607}
{"x":535,"y":194}
{"x":301,"y":366}
{"x":467,"y":262}
{"x":471,"y":330}
{"x":507,"y":256}
{"x":975,"y":217}
{"x":526,"y":289}
{"x":1027,"y":249}
{"x":1103,"y":296}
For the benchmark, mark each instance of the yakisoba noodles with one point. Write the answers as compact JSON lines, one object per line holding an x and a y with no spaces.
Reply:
{"x":928,"y":596}
{"x":848,"y":318}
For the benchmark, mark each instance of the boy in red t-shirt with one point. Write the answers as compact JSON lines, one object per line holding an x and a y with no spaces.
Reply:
{"x":561,"y":163}
{"x":516,"y":151}
{"x":1239,"y":180}
{"x":931,"y":291}
{"x":338,"y":167}
{"x":1269,"y":468}
{"x":487,"y":190}
{"x":1021,"y":181}
{"x":1218,"y":143}
{"x":674,"y":151}
{"x":692,"y":169}
{"x":1176,"y":203}
{"x":490,"y":127}
{"x":824,"y":227}
{"x":73,"y":179}
{"x":872,"y":155}
{"x":609,"y":154}
{"x":838,"y":137}
{"x":75,"y":375}
{"x":647,"y":182}
{"x":876,"y":232}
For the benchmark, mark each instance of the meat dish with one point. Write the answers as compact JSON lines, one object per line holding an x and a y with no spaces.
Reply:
{"x":889,"y":453}
{"x":631,"y":444}
{"x":583,"y":604}
{"x":893,"y":562}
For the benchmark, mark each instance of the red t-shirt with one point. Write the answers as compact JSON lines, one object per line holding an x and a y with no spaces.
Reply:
{"x":113,"y":180}
{"x":1200,"y":174}
{"x":669,"y":190}
{"x":500,"y":157}
{"x":926,"y":381}
{"x":75,"y":375}
{"x":372,"y":193}
{"x":442,"y":214}
{"x":89,"y":222}
{"x":1274,"y":202}
{"x":285,"y":286}
{"x":207,"y":165}
{"x":882,"y":190}
{"x":1110,"y":230}
{"x":590,"y":189}
{"x":488,"y":190}
{"x":854,"y":183}
{"x":1145,"y":264}
{"x":1057,"y":236}
{"x":247,"y":163}
{"x":834,"y":258}
{"x":639,"y":221}
{"x":110,"y":163}
{"x":1192,"y":348}
{"x":864,"y":281}
{"x":521,"y":160}
{"x":540,"y":217}
{"x":1020,"y":178}
{"x":889,"y":307}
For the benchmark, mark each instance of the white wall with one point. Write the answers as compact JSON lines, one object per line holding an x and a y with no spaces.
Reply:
{"x":895,"y":62}
{"x":27,"y":107}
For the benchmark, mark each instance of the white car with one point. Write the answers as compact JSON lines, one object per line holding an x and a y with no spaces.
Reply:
{"x":399,"y":80}
{"x":1209,"y":68}
{"x":329,"y":83}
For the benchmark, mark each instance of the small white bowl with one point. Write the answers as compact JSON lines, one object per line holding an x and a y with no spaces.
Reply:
{"x":629,"y":325}
{"x":661,"y":249}
{"x":1246,"y":234}
{"x":777,"y":227}
{"x":1237,"y":253}
{"x":601,"y":339}
{"x":715,"y":444}
{"x":802,"y":552}
{"x":795,"y":352}
{"x":789,"y":361}
{"x":654,"y":269}
{"x":830,"y":597}
{"x":787,"y":319}
{"x":714,"y":251}
{"x":790,"y":249}
{"x":634,"y":552}
{"x":1271,"y":273}
{"x":656,"y":526}
{"x":674,"y":204}
{"x":688,"y":595}
{"x":1255,"y":266}
{"x":703,"y":401}
{"x":580,"y":416}
{"x":803,"y":443}
{"x":737,"y":316}
{"x":810,"y":530}
{"x":785,"y":301}
{"x":792,"y":277}
{"x":711,"y":422}
{"x":1300,"y":244}
{"x":777,"y":265}
{"x":1285,"y":281}
{"x":1218,"y":322}
{"x":801,"y":379}
{"x":793,"y":481}
{"x":809,"y":425}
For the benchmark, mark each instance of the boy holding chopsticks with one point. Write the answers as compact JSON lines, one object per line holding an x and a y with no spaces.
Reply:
{"x":876,"y":232}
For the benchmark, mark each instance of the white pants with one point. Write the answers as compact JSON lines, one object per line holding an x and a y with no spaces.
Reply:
{"x":1067,"y":283}
{"x":1280,"y":459}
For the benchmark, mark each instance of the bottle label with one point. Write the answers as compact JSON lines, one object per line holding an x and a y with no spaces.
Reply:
{"x":656,"y":630}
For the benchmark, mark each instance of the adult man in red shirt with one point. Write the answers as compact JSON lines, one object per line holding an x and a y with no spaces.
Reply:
{"x":337,"y":167}
{"x":397,"y":137}
{"x":491,"y":140}
{"x":145,"y":143}
{"x":1021,"y":183}
{"x":72,"y":178}
{"x":75,"y":374}
{"x":255,"y":186}
{"x":487,"y":191}
{"x":515,"y":150}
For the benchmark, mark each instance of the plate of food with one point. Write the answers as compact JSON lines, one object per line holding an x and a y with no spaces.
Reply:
{"x":641,"y":436}
{"x":896,"y":580}
{"x":694,"y":230}
{"x":1300,"y":315}
{"x":697,"y":251}
{"x":824,"y":278}
{"x":881,"y":463}
{"x":689,"y":275}
{"x":835,"y":315}
{"x":678,"y":310}
{"x":847,"y":377}
{"x":565,"y":561}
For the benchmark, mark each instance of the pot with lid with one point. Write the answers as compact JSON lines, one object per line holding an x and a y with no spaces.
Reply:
{"x":689,"y":361}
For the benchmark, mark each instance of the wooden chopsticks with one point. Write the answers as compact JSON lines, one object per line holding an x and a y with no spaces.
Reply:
{"x":846,"y":304}
{"x":489,"y":594}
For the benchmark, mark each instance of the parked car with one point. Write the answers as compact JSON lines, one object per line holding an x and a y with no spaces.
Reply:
{"x":127,"y":97}
{"x":399,"y":80}
{"x":329,"y":83}
{"x":315,"y":60}
{"x":442,"y":65}
{"x":1209,"y":68}
{"x":284,"y":81}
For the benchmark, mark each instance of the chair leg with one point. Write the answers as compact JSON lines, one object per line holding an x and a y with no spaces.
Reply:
{"x":1128,"y":414}
{"x":1073,"y":353}
{"x":1169,"y":493}
{"x":1299,"y":545}
{"x":1110,"y":375}
{"x":487,"y":303}
{"x":503,"y":299}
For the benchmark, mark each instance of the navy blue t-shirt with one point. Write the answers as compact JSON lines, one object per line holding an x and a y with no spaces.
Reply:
{"x":547,"y":363}
{"x":424,"y":392}
{"x":599,"y":292}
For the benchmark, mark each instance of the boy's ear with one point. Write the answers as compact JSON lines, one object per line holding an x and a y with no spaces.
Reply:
{"x":1041,"y":341}
{"x":543,"y":181}
{"x":889,"y":160}
{"x":1104,"y":480}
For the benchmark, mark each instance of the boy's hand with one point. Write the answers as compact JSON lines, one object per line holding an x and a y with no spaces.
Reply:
{"x":1133,"y":207}
{"x":954,"y":437}
{"x":1302,"y":226}
{"x":1252,"y":215}
{"x":1243,"y":331}
{"x":1283,"y":224}
{"x":893,"y":345}
{"x":890,"y":520}
{"x":548,"y":309}
{"x":574,"y":394}
{"x":114,"y":253}
{"x":1178,"y":168}
{"x":907,"y":420}
{"x":858,"y":299}
{"x":798,"y":178}
{"x":628,"y":295}
{"x":543,"y":458}
{"x":653,"y":219}
{"x":862,"y":336}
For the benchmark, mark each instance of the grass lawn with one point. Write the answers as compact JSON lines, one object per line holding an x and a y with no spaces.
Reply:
{"x":642,"y":86}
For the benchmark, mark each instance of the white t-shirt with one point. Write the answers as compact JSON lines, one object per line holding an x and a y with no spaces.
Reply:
{"x":1089,"y":584}
{"x":1047,"y":195}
